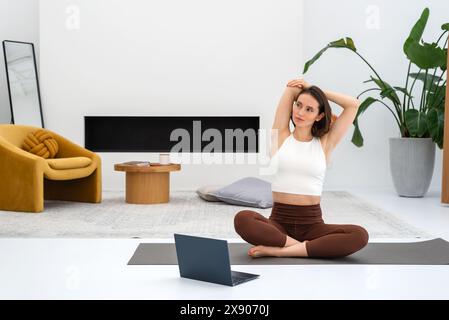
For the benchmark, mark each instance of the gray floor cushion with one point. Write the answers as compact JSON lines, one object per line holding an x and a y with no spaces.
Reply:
{"x":250,"y":191}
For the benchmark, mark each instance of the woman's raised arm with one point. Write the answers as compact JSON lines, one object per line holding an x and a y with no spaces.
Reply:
{"x":284,"y":109}
{"x":341,"y":125}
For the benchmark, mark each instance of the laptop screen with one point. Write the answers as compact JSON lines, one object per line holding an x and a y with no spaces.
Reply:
{"x":203,"y":259}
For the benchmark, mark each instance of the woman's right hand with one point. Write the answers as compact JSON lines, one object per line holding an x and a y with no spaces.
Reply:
{"x":299,"y":83}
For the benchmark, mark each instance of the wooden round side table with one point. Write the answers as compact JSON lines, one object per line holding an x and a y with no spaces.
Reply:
{"x":147,"y":184}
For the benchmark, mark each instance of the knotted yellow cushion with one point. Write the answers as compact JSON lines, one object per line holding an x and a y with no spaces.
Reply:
{"x":41,"y":143}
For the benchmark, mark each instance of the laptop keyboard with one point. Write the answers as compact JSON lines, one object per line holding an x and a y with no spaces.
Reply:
{"x":238,"y":277}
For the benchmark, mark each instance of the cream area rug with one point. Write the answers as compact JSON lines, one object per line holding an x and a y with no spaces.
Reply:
{"x":185,"y":213}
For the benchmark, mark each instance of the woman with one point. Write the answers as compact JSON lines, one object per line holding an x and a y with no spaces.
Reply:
{"x":295,"y":227}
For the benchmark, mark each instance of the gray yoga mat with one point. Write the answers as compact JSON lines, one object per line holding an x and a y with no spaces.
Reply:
{"x":431,"y":252}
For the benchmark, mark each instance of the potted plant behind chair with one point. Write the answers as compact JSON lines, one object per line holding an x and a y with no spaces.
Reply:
{"x":421,"y":124}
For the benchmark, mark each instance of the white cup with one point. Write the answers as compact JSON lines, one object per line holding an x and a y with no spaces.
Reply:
{"x":164,"y":158}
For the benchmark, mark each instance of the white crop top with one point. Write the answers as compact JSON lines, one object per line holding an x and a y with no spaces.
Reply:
{"x":301,"y":167}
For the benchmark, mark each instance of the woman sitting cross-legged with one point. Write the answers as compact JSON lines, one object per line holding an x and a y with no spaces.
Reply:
{"x":295,"y":227}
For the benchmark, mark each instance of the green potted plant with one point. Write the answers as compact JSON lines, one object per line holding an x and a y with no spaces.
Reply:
{"x":420,"y":119}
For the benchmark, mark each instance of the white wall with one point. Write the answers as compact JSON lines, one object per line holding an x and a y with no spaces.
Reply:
{"x":341,"y":70}
{"x":198,"y":57}
{"x":19,"y":20}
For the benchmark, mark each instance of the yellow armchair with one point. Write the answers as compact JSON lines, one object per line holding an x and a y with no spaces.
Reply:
{"x":26,"y":179}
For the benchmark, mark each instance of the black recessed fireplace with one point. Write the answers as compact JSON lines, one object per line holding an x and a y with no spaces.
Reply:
{"x":172,"y":134}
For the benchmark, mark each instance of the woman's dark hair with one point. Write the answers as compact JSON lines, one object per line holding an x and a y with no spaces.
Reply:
{"x":319,"y":128}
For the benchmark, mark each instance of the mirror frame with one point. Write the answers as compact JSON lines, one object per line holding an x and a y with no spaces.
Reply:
{"x":37,"y":79}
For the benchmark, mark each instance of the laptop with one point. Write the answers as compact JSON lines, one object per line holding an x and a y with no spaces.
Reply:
{"x":207,"y":259}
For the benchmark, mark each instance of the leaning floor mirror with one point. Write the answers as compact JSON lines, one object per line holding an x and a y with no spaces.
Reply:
{"x":23,"y":83}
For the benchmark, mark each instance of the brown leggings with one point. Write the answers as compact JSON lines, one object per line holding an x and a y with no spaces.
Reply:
{"x":300,"y":223}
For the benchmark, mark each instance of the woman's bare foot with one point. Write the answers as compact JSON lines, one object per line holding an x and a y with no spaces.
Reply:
{"x":263,"y":251}
{"x":295,"y":250}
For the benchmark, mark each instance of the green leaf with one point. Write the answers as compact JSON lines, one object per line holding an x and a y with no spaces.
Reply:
{"x":443,"y":68}
{"x":445,"y":27}
{"x":436,"y":97}
{"x":417,"y":30}
{"x":315,"y":58}
{"x":340,"y":43}
{"x":416,"y":123}
{"x":426,"y":56}
{"x":350,"y":44}
{"x":390,"y":93}
{"x":347,"y":43}
{"x":387,"y":90}
{"x":435,"y":125}
{"x":357,"y":138}
{"x":364,"y":105}
{"x":431,"y":79}
{"x":404,"y":91}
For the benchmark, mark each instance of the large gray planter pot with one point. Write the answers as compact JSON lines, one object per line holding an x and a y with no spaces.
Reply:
{"x":412,"y":162}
